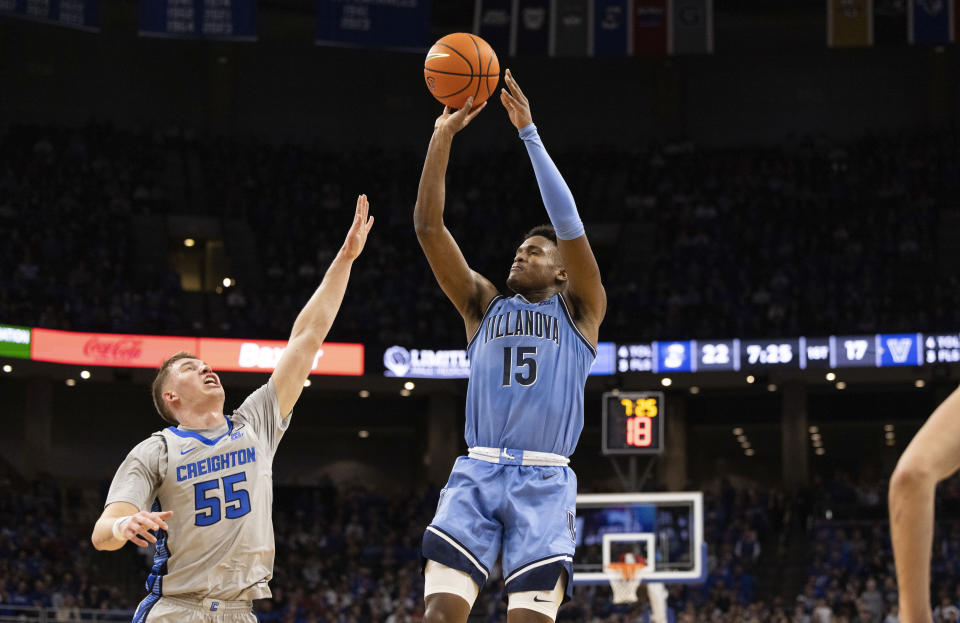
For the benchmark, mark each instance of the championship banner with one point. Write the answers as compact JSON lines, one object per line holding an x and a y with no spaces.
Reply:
{"x":889,"y":22}
{"x":79,"y":14}
{"x":533,"y":28}
{"x":955,"y":12}
{"x":234,"y":20}
{"x":493,"y":21}
{"x":14,"y":341}
{"x":650,"y":27}
{"x":569,"y":28}
{"x":391,"y":24}
{"x":849,"y":23}
{"x":611,"y":30}
{"x":691,"y":27}
{"x":929,"y":22}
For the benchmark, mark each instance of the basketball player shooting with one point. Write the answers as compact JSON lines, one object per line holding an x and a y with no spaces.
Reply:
{"x":933,"y":455}
{"x":202,"y":489}
{"x":513,"y":496}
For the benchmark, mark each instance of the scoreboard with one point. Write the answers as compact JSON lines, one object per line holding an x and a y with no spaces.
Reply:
{"x":633,"y":422}
{"x":878,"y":350}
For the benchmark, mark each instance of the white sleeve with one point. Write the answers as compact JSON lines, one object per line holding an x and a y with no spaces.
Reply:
{"x":140,"y":474}
{"x":261,"y":411}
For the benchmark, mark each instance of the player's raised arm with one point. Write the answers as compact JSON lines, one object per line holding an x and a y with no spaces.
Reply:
{"x":314,"y":320}
{"x":933,"y":455}
{"x":585,"y":287}
{"x":467,"y":290}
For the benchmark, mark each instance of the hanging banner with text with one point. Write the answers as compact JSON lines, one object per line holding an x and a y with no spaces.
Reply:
{"x":493,"y":21}
{"x":889,"y":23}
{"x":569,"y":34}
{"x":533,"y":28}
{"x":234,"y":20}
{"x":80,"y":14}
{"x":610,"y":28}
{"x":388,"y":24}
{"x":849,"y":23}
{"x":691,"y":27}
{"x":929,"y":22}
{"x":650,"y":24}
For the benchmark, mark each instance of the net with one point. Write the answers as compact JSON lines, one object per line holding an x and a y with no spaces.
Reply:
{"x":624,"y":580}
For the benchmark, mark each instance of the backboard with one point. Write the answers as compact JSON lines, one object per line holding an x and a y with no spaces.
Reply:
{"x":610,"y":526}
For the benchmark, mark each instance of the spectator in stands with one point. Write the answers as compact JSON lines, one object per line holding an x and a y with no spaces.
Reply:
{"x":747,"y":548}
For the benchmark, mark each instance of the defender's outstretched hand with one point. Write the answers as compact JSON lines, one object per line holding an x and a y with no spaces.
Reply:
{"x":453,"y":122}
{"x":357,"y":236}
{"x":516,"y":103}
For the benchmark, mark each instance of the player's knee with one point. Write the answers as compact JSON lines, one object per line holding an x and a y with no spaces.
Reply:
{"x":445,"y":608}
{"x":448,"y":594}
{"x":540,"y":603}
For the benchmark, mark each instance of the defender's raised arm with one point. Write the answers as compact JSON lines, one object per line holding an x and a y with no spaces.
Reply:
{"x":315,"y":319}
{"x":585,"y":287}
{"x":467,"y":290}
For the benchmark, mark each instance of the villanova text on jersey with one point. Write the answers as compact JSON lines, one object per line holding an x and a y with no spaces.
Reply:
{"x":528,"y":322}
{"x":528,"y":367}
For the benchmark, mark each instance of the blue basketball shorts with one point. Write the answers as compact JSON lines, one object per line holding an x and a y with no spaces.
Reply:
{"x":525,"y":514}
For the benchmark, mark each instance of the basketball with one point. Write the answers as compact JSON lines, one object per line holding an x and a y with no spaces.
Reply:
{"x":460,"y":65}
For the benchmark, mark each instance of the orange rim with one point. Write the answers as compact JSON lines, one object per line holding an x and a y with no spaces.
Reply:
{"x":627,"y":570}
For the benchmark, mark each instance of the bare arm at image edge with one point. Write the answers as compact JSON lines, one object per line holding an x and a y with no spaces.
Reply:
{"x":933,"y":454}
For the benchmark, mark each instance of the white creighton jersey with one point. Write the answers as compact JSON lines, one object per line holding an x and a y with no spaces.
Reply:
{"x":219,"y":485}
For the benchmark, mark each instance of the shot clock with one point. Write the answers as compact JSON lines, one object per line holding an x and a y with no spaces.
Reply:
{"x":633,"y":422}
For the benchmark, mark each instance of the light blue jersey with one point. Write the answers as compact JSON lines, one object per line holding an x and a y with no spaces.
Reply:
{"x":528,"y":366}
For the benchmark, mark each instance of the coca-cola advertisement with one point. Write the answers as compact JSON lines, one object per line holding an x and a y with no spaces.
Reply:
{"x":107,"y":349}
{"x":149,"y":351}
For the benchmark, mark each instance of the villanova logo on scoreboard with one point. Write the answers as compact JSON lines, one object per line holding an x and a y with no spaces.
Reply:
{"x":900,"y":349}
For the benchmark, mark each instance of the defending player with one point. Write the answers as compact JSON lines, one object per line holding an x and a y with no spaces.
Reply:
{"x":530,"y":355}
{"x":933,"y":455}
{"x":202,"y":489}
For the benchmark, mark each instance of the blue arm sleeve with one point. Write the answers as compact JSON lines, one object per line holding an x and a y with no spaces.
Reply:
{"x":557,"y":197}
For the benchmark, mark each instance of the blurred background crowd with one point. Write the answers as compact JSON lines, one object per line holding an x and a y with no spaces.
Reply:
{"x":813,"y":236}
{"x":820,"y":555}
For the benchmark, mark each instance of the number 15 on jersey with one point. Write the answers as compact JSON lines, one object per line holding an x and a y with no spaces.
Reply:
{"x":633,"y":422}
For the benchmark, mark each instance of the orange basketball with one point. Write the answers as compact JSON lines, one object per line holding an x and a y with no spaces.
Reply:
{"x":461,"y":65}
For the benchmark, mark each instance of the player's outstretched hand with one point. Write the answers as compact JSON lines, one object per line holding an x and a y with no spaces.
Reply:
{"x":137,"y":528}
{"x":516,"y":103}
{"x":453,"y":122}
{"x":357,"y":236}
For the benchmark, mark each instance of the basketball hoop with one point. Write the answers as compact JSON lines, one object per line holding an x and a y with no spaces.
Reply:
{"x":624,"y":580}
